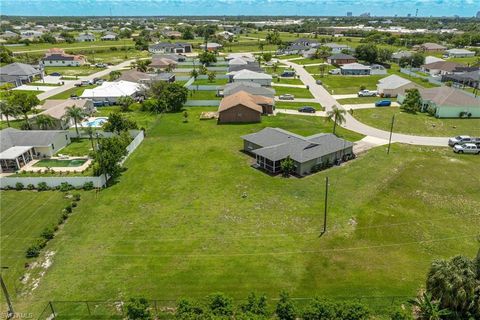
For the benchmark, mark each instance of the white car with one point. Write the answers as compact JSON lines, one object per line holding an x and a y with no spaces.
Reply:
{"x":287,"y":96}
{"x":466,"y":148}
{"x":367,"y":93}
{"x":334,"y":71}
{"x":462,"y":139}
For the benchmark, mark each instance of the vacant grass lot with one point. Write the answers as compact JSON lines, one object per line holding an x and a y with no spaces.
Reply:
{"x":420,"y":123}
{"x":338,"y":84}
{"x":308,"y":61}
{"x":176,"y":223}
{"x":73,"y":71}
{"x":288,"y":81}
{"x":215,"y":82}
{"x":203,"y":95}
{"x":75,"y":90}
{"x":73,"y":46}
{"x":297,"y":92}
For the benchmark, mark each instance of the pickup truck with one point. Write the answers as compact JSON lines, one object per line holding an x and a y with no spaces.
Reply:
{"x":463,"y":139}
{"x":367,"y":93}
{"x":467,"y":148}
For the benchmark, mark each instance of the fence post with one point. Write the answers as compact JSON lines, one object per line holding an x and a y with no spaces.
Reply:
{"x":51,"y":308}
{"x":156,"y":309}
{"x":88,"y":308}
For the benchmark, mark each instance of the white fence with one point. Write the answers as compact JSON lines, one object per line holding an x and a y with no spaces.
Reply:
{"x":134,"y":144}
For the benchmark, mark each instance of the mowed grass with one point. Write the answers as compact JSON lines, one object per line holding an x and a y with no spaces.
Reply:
{"x":206,"y":82}
{"x":361,"y":100}
{"x":295,"y":81}
{"x":338,"y":84}
{"x":297,"y":92}
{"x":73,"y":71}
{"x":75,"y":90}
{"x":77,"y":147}
{"x":417,"y":124}
{"x":296,"y":105}
{"x":203,"y":95}
{"x":190,"y":216}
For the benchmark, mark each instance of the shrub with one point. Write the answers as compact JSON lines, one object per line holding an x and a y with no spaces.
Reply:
{"x":137,"y":309}
{"x":362,"y":87}
{"x":48,"y":233}
{"x":320,"y":309}
{"x":68,"y":209}
{"x":74,"y":204}
{"x":353,"y":311}
{"x":220,"y":304}
{"x":188,"y":309}
{"x":88,"y":185}
{"x":30,"y":186}
{"x":285,"y":309}
{"x":65,"y":186}
{"x":42,"y":186}
{"x":32,"y":252}
{"x":76,"y":197}
{"x":19,"y":186}
{"x":63,"y":217}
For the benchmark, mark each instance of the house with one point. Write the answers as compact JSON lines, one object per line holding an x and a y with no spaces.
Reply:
{"x":111,"y":91}
{"x":225,"y":35}
{"x":9,"y":35}
{"x":172,"y":56}
{"x":237,"y":62}
{"x":133,"y":75}
{"x":160,"y":63}
{"x":396,"y":56}
{"x":30,"y":34}
{"x":429,"y":47}
{"x":447,"y":102}
{"x":252,"y":66}
{"x":295,"y":49}
{"x":245,"y":75}
{"x":459,"y":53}
{"x":233,"y":29}
{"x":58,"y":58}
{"x":19,"y":147}
{"x":172,"y":34}
{"x":305,"y":42}
{"x":355,"y":69}
{"x":442,"y":67}
{"x":244,"y":107}
{"x":85,"y":37}
{"x":271,"y":146}
{"x":167,"y":47}
{"x":468,"y":79}
{"x":109,"y":36}
{"x":377,"y":69}
{"x":251,"y":88}
{"x":394,"y":85}
{"x":211,"y":46}
{"x":341,"y":59}
{"x":18,"y":73}
{"x":337,"y":48}
{"x":56,"y":109}
{"x":432,"y":59}
{"x":245,"y":56}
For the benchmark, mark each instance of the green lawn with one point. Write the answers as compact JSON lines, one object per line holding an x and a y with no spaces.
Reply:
{"x":288,"y":56}
{"x":297,"y":92}
{"x":73,"y":71}
{"x":203,"y":95}
{"x":215,"y":82}
{"x":288,"y":81}
{"x":419,"y":124}
{"x":338,"y":84}
{"x":361,"y":100}
{"x":143,"y":119}
{"x":296,"y":105}
{"x":74,"y":46}
{"x":190,"y":216}
{"x":75,"y":90}
{"x":308,"y":61}
{"x":13,"y":123}
{"x":3,"y":92}
{"x":78,"y":147}
{"x":44,"y":84}
{"x":316,"y":69}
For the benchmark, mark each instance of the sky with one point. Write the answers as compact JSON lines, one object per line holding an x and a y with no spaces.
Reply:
{"x":426,"y":8}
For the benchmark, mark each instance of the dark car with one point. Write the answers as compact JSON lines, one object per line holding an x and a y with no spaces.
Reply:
{"x":307,"y":109}
{"x":56,"y":74}
{"x":383,"y":103}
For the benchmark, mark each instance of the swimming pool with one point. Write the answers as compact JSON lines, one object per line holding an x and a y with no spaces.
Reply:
{"x":95,"y":122}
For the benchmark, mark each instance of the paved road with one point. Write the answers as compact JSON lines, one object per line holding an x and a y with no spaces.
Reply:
{"x":70,"y":84}
{"x":328,"y":101}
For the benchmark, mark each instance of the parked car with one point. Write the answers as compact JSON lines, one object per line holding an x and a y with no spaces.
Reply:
{"x":288,"y":74}
{"x":463,"y":139}
{"x":367,"y":93}
{"x":383,"y":103}
{"x":56,"y":74}
{"x":73,"y":96}
{"x":307,"y":109}
{"x":335,"y":71}
{"x":287,"y":96}
{"x":466,"y":148}
{"x":319,"y":82}
{"x":101,"y":65}
{"x":99,"y":81}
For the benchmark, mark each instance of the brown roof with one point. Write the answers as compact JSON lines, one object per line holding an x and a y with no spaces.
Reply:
{"x":56,"y":108}
{"x":432,"y":46}
{"x":133,"y":75}
{"x":162,"y":62}
{"x":449,"y":96}
{"x":245,"y":99}
{"x":443,"y":65}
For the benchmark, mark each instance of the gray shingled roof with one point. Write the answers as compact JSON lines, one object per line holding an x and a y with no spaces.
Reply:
{"x":276,"y":144}
{"x":341,"y":56}
{"x":11,"y":137}
{"x":19,"y":69}
{"x":250,"y":87}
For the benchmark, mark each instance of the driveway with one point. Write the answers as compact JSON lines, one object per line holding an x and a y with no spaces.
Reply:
{"x":295,"y":112}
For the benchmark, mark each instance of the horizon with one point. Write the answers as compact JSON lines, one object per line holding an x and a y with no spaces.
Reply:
{"x":232,"y":8}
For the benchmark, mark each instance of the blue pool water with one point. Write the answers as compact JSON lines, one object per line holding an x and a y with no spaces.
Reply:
{"x":97,"y":122}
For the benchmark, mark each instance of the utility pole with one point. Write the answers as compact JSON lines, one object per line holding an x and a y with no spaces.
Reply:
{"x":10,"y":313}
{"x":325,"y":208}
{"x":390,"y":138}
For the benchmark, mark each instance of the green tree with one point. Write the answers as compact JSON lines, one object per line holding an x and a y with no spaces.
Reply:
{"x":173,"y":94}
{"x":90,"y":131}
{"x":185,"y":116}
{"x":255,"y":305}
{"x":285,"y":309}
{"x":138,"y":309}
{"x":267,"y":56}
{"x":207,"y":58}
{"x":426,"y":308}
{"x":125,"y":102}
{"x":367,"y":52}
{"x":76,"y":114}
{"x":187,"y":34}
{"x":189,"y":310}
{"x":141,"y":44}
{"x":8,"y":110}
{"x":44,"y":122}
{"x":114,"y":75}
{"x":273,"y":37}
{"x":287,"y":165}
{"x":322,"y":68}
{"x":220,"y":305}
{"x":142,"y":65}
{"x":336,"y":115}
{"x":194,"y":74}
{"x":412,"y":102}
{"x":203,"y":70}
{"x":110,"y":152}
{"x":118,"y":123}
{"x":24,"y":103}
{"x":6,"y":55}
{"x":211,"y":76}
{"x":322,"y":52}
{"x":384,"y":55}
{"x":320,"y":309}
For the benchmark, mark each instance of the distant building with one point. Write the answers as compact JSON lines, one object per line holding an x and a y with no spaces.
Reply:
{"x":58,"y":57}
{"x":85,"y":37}
{"x":167,"y":47}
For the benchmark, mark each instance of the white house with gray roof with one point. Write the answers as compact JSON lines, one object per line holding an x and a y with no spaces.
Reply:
{"x":18,"y":73}
{"x":271,"y":146}
{"x":394,"y":85}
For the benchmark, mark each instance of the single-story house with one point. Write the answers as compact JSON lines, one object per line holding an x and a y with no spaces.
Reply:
{"x":467,"y":79}
{"x":225,"y":34}
{"x":295,"y":49}
{"x":85,"y":37}
{"x":109,"y":37}
{"x":249,"y":87}
{"x":432,"y":59}
{"x":396,"y":56}
{"x":245,"y":56}
{"x":244,"y":107}
{"x":429,"y":47}
{"x":377,"y":69}
{"x":9,"y":35}
{"x":355,"y":69}
{"x":441,"y":67}
{"x":306,"y":42}
{"x":19,"y":147}
{"x":233,"y":29}
{"x":262,"y":79}
{"x":394,"y":85}
{"x":18,"y":73}
{"x":211,"y":46}
{"x":341,"y":59}
{"x":162,"y":63}
{"x":133,"y":75}
{"x":111,"y":91}
{"x":271,"y":146}
{"x":337,"y":48}
{"x":58,"y":58}
{"x":252,"y":66}
{"x":172,"y":56}
{"x":459,"y":53}
{"x":57,"y":108}
{"x":167,"y":47}
{"x":172,"y":34}
{"x":237,"y":62}
{"x":447,"y":102}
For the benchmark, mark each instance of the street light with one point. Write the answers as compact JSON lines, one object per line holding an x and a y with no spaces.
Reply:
{"x":390,"y":138}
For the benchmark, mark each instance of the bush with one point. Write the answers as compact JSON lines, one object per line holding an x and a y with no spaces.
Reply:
{"x":68,"y":209}
{"x":42,"y":186}
{"x":30,"y":186}
{"x":32,"y":252}
{"x":88,"y":185}
{"x":137,"y":309}
{"x":74,"y":204}
{"x":19,"y":186}
{"x":220,"y":304}
{"x":320,"y":309}
{"x":65,"y":186}
{"x":353,"y":311}
{"x":63,"y":217}
{"x":76,"y":197}
{"x":285,"y":309}
{"x":48,"y":233}
{"x":187,"y":309}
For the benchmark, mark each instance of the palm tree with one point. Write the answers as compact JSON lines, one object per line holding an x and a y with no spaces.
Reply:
{"x":428,"y":309}
{"x":8,"y":110}
{"x":44,"y":121}
{"x":76,"y":114}
{"x":337,"y":115}
{"x":90,"y":131}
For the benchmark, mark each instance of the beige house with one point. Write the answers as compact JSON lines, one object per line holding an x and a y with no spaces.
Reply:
{"x":57,"y":109}
{"x":394,"y":85}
